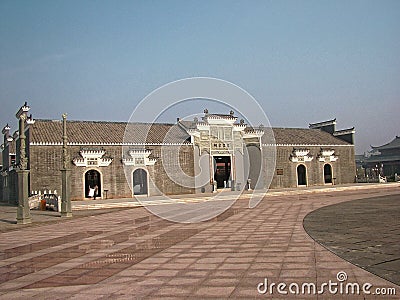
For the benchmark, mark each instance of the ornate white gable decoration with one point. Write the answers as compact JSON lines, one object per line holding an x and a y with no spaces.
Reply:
{"x":301,"y":155}
{"x":327,"y":155}
{"x":139,"y":158}
{"x":220,"y":134}
{"x":220,"y":119}
{"x":92,"y":158}
{"x":255,"y":133}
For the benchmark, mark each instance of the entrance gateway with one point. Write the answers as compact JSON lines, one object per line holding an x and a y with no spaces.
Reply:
{"x":222,"y":173}
{"x":220,"y":144}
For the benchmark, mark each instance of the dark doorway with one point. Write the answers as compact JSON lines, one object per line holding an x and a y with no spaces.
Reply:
{"x":140,"y":182}
{"x":301,"y":175}
{"x":328,"y":173}
{"x":222,"y":170}
{"x":92,"y":178}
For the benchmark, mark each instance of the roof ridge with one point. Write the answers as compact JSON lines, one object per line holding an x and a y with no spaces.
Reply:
{"x":304,"y":128}
{"x":387,"y":144}
{"x":105,"y":122}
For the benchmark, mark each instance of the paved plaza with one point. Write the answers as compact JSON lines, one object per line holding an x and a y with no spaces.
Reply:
{"x":130,"y":253}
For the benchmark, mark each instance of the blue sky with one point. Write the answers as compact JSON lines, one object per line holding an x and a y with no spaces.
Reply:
{"x":303,"y":61}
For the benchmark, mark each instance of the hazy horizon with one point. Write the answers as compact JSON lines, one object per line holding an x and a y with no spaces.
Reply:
{"x":303,"y":61}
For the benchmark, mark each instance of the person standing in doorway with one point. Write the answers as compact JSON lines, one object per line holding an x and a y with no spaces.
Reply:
{"x":96,"y":189}
{"x":91,"y":192}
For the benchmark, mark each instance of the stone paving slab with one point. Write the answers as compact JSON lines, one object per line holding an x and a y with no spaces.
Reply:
{"x":8,"y":216}
{"x":131,"y":254}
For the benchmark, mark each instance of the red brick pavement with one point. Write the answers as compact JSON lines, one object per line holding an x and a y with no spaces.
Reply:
{"x":132,"y":254}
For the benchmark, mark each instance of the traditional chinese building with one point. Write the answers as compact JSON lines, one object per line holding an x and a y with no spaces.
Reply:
{"x":380,"y":160}
{"x":217,"y":151}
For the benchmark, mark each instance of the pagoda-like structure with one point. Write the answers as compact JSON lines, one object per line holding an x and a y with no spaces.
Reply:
{"x":383,"y":160}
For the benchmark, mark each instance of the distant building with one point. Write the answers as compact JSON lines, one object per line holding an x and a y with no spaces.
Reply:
{"x":381,"y":160}
{"x":227,"y":150}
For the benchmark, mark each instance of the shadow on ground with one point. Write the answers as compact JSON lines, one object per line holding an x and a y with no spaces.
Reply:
{"x":364,"y":232}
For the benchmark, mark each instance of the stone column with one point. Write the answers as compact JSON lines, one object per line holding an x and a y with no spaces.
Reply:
{"x":23,"y":211}
{"x":233,"y":172}
{"x":66,"y":207}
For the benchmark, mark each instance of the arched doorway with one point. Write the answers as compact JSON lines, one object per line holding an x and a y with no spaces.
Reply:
{"x":301,"y":175}
{"x":139,"y":182}
{"x":92,"y":178}
{"x":327,"y":173}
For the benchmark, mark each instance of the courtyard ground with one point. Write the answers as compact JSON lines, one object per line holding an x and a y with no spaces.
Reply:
{"x":130,"y":253}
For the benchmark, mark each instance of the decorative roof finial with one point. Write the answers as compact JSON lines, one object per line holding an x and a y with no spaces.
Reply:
{"x":6,"y":129}
{"x":23,"y":111}
{"x":206,"y":111}
{"x":30,"y":120}
{"x":231,"y":112}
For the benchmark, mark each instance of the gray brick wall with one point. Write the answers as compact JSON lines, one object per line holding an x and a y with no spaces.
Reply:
{"x":45,"y":174}
{"x":45,"y":163}
{"x":343,"y":169}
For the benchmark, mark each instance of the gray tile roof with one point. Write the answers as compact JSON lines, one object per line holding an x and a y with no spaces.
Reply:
{"x":395,"y":143}
{"x":48,"y":131}
{"x":305,"y":136}
{"x":87,"y":132}
{"x":188,"y":124}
